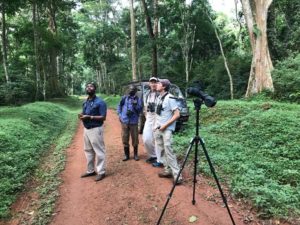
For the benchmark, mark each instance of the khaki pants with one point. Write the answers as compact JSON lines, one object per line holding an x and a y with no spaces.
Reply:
{"x":94,"y":149}
{"x":130,"y":130}
{"x":164,"y":144}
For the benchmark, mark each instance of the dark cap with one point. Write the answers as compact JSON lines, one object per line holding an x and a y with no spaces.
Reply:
{"x":132,"y":88}
{"x":153,"y":79}
{"x":164,"y":82}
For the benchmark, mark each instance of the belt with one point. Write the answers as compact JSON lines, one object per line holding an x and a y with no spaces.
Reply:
{"x":90,"y":127}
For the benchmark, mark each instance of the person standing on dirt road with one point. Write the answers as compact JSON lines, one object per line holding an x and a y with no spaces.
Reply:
{"x":129,"y":110}
{"x":93,"y":115}
{"x":167,"y":113}
{"x":154,"y":156}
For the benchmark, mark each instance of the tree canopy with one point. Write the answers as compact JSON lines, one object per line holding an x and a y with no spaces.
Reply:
{"x":51,"y":48}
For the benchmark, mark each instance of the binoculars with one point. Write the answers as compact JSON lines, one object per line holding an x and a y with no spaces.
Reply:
{"x":151,"y":107}
{"x":159,"y":108}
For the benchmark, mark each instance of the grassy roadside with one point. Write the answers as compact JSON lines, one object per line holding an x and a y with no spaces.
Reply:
{"x":27,"y":132}
{"x":47,"y":174}
{"x":254,"y":146}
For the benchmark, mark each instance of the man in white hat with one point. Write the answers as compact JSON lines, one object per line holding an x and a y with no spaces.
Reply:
{"x":154,"y":156}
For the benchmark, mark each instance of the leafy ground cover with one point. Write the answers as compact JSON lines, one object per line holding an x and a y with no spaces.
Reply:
{"x":111,"y":101}
{"x":255,"y":148}
{"x":26,"y":132}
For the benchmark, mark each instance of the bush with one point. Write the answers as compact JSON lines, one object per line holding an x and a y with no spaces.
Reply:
{"x":214,"y":76}
{"x":286,"y":77}
{"x":254,"y":146}
{"x":16,"y":92}
{"x":25,"y":133}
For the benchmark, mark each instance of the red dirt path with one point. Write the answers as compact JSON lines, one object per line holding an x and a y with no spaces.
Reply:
{"x":132,"y":193}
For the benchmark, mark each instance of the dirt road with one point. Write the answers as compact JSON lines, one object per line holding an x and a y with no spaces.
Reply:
{"x":132,"y":193}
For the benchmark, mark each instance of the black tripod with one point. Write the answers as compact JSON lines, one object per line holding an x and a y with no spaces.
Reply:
{"x":196,"y":140}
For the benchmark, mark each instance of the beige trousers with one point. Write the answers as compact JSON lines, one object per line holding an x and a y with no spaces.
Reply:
{"x":94,"y":149}
{"x":163,"y":141}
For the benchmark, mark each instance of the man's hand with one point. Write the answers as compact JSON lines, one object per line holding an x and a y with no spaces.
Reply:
{"x":162,"y":128}
{"x":85,"y":117}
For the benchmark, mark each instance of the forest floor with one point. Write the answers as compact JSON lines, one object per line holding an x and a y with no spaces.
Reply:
{"x":133,"y":194}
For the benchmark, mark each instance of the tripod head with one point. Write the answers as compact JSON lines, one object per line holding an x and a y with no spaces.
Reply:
{"x":196,"y":91}
{"x":198,"y":103}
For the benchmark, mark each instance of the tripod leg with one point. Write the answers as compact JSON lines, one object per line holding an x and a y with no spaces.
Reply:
{"x":178,"y":175}
{"x":212,"y":169}
{"x":195,"y":168}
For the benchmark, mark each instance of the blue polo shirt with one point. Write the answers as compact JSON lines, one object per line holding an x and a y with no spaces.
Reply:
{"x":94,"y":107}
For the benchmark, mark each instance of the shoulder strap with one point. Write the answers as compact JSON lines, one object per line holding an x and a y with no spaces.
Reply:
{"x":122,"y":102}
{"x":163,"y":97}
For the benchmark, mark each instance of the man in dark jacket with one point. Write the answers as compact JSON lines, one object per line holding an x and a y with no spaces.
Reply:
{"x":129,"y":110}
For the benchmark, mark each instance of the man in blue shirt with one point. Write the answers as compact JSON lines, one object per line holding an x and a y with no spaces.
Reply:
{"x":167,"y":112}
{"x":129,"y":110}
{"x":93,"y":114}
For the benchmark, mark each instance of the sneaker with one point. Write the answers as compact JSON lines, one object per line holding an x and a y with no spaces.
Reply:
{"x":180,"y":181}
{"x":88,"y":174}
{"x":157,"y":164}
{"x":165,"y":174}
{"x":100,"y":177}
{"x":151,"y":160}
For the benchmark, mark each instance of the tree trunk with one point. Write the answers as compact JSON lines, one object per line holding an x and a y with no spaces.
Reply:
{"x":260,"y":75}
{"x":53,"y":54}
{"x":98,"y":75}
{"x":152,"y":37}
{"x":133,"y":41}
{"x":4,"y":43}
{"x":187,"y":45}
{"x":224,"y":57}
{"x":36,"y":54}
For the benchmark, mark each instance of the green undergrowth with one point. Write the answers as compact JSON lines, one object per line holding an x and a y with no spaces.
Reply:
{"x":26,"y":133}
{"x":111,"y":101}
{"x":255,"y":148}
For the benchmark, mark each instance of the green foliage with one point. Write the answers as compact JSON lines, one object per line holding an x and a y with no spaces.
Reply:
{"x":287,"y":79}
{"x":213,"y":75}
{"x":49,"y":179}
{"x":16,"y":92}
{"x":283,"y":28}
{"x":111,"y":101}
{"x":254,"y":146}
{"x":26,"y":133}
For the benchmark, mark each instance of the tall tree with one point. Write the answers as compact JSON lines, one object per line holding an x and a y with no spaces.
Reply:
{"x":223,"y":55}
{"x":256,"y":13}
{"x":4,"y":40}
{"x":36,"y":51}
{"x":152,"y":35}
{"x":53,"y":54}
{"x":133,"y":41}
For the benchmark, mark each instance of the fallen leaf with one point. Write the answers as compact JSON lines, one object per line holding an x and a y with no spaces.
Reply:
{"x":193,"y":219}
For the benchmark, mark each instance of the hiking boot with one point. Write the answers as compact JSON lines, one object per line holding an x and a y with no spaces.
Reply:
{"x":135,"y":151}
{"x":126,"y":154}
{"x":151,"y":160}
{"x":157,"y":164}
{"x":165,"y":174}
{"x":88,"y":174}
{"x":99,"y":177}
